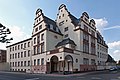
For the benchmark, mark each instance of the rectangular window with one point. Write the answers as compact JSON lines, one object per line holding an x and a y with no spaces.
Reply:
{"x":34,"y":50}
{"x":15,"y":47}
{"x":18,"y":64}
{"x":34,"y":40}
{"x":21,"y":54}
{"x":24,"y":53}
{"x":38,"y":39}
{"x":85,"y":28}
{"x":28,"y":63}
{"x":93,"y":62}
{"x":18,"y":47}
{"x":38,"y":61}
{"x":85,"y":61}
{"x":15,"y":55}
{"x":66,"y":29}
{"x":18,"y":55}
{"x":10,"y":56}
{"x":28,"y":44}
{"x":34,"y":62}
{"x":42,"y":36}
{"x":24,"y":45}
{"x":42,"y":47}
{"x":24,"y":63}
{"x":28,"y":53}
{"x":38,"y":49}
{"x":40,"y":27}
{"x":21,"y":63}
{"x":42,"y":61}
{"x":21,"y":46}
{"x":66,"y":35}
{"x":36,"y":29}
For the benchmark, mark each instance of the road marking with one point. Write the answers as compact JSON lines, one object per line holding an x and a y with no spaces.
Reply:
{"x":96,"y":78}
{"x":32,"y":79}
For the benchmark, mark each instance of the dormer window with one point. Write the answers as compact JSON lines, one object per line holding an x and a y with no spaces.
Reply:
{"x":51,"y":26}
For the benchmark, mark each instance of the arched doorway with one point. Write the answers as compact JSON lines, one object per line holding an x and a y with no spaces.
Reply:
{"x":54,"y":64}
{"x":68,"y":63}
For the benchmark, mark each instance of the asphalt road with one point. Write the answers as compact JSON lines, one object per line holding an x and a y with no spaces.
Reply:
{"x":102,"y":75}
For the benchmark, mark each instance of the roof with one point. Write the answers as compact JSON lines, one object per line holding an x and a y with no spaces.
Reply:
{"x":110,"y":59}
{"x":19,"y":42}
{"x":65,"y":41}
{"x":53,"y":23}
{"x":100,"y":39}
{"x":75,"y":21}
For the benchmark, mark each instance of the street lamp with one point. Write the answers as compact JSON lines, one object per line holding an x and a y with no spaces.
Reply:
{"x":30,"y":59}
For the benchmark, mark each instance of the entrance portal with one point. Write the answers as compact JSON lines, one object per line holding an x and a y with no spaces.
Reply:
{"x":54,"y":64}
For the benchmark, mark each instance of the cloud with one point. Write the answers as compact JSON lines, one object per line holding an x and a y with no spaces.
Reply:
{"x":114,"y":27}
{"x":101,"y":24}
{"x":115,"y":44}
{"x":17,"y":33}
{"x":116,"y":54}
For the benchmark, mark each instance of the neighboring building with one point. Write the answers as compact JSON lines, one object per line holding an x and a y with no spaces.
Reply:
{"x":67,"y":44}
{"x":102,"y":52}
{"x":3,"y":56}
{"x":110,"y":62}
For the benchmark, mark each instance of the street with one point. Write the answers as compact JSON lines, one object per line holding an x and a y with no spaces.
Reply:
{"x":99,"y":75}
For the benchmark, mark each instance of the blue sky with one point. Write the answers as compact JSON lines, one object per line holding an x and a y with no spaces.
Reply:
{"x":19,"y":16}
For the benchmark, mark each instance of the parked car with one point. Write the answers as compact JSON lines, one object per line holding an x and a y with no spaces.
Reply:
{"x":113,"y":69}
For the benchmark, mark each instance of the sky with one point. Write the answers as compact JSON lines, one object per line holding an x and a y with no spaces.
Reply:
{"x":18,"y":16}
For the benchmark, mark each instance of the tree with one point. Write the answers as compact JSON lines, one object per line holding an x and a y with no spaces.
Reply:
{"x":4,"y":33}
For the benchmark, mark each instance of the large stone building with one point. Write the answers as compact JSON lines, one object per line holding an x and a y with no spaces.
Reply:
{"x":68,"y":44}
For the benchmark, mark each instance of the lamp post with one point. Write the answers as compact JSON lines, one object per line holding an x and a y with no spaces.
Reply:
{"x":30,"y":59}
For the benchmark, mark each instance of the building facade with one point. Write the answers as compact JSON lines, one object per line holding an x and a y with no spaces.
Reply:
{"x":68,"y":44}
{"x":3,"y":56}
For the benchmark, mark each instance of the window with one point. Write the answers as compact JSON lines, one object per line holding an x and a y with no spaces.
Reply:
{"x":21,"y":54}
{"x":28,"y":53}
{"x":66,"y":29}
{"x":18,"y":64}
{"x":93,"y":62}
{"x":63,"y":15}
{"x":85,"y":61}
{"x":34,"y":49}
{"x":28,"y":44}
{"x":36,"y":29}
{"x":40,"y":27}
{"x":85,"y":28}
{"x":21,"y":63}
{"x":39,"y":19}
{"x":15,"y":47}
{"x":10,"y":56}
{"x":24,"y":53}
{"x":59,"y":17}
{"x":18,"y":55}
{"x":66,"y":35}
{"x":34,"y":40}
{"x":38,"y":61}
{"x":24,"y":45}
{"x":15,"y":55}
{"x":21,"y":46}
{"x":15,"y":64}
{"x":61,"y":23}
{"x":51,"y":26}
{"x":38,"y":49}
{"x":24,"y":63}
{"x":76,"y":60}
{"x":34,"y":62}
{"x":38,"y":39}
{"x":18,"y":47}
{"x":42,"y":61}
{"x":10,"y":49}
{"x":42,"y":36}
{"x":28,"y":63}
{"x":42,"y":47}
